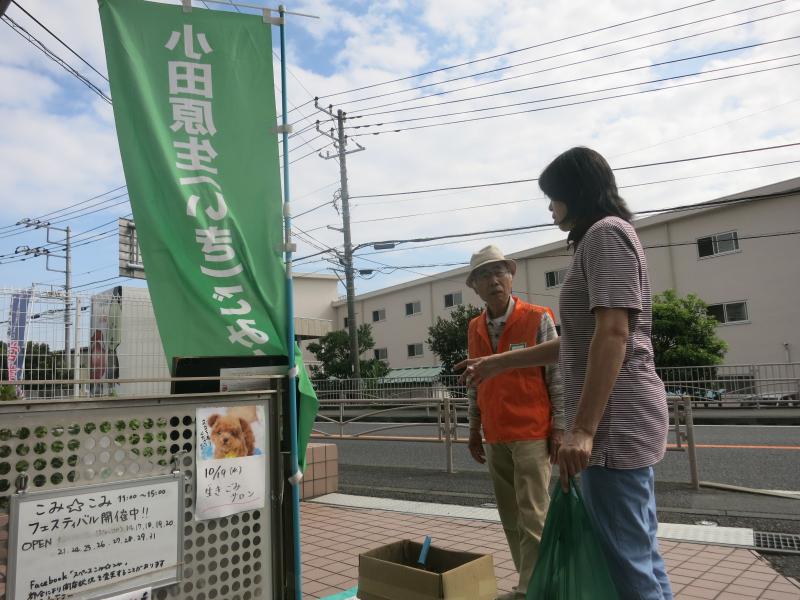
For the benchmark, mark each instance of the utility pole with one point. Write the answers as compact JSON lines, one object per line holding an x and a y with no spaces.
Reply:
{"x":66,"y":243}
{"x":340,"y":142}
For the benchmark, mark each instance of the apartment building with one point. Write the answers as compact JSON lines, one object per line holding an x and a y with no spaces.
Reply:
{"x":740,"y":254}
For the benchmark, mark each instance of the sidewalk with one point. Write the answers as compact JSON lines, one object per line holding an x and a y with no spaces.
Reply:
{"x":333,"y":537}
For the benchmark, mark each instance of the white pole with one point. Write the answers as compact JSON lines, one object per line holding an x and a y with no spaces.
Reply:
{"x":77,"y":348}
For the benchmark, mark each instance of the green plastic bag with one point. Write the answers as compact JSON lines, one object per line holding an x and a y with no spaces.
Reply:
{"x":571,"y":564}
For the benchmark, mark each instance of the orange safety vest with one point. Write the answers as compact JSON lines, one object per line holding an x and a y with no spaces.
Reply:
{"x":514,"y":405}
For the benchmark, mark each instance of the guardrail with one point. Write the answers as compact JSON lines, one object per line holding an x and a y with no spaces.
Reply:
{"x":349,"y":409}
{"x":770,"y":385}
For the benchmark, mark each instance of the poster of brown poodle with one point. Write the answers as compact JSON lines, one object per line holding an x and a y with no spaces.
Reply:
{"x":233,"y":432}
{"x":231,"y":460}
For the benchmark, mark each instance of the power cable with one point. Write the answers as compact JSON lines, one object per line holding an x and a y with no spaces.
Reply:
{"x":62,"y":42}
{"x":595,"y":46}
{"x":622,"y":187}
{"x":679,"y":208}
{"x":565,"y":105}
{"x":532,"y":179}
{"x":34,"y":41}
{"x":510,"y":52}
{"x":566,"y":81}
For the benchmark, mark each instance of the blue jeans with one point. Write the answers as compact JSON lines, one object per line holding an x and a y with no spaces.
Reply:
{"x":622,"y":506}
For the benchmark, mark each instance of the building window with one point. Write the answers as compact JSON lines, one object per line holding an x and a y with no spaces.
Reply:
{"x":555,"y":278}
{"x":720,"y":243}
{"x":453,"y":299}
{"x":414,"y":350}
{"x":413,"y":308}
{"x":346,"y":323}
{"x":379,"y":315}
{"x":381,"y":354}
{"x":729,"y":312}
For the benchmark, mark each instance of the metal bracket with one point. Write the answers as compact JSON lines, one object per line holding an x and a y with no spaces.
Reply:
{"x":325,"y":133}
{"x":177,"y":462}
{"x":21,"y":483}
{"x":290,"y":247}
{"x":288,"y":128}
{"x":269,"y":19}
{"x":287,"y":209}
{"x":187,"y":6}
{"x":328,"y":110}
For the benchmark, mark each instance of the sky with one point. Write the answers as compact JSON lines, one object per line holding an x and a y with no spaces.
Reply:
{"x":58,"y":143}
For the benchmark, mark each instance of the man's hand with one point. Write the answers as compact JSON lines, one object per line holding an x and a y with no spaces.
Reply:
{"x":554,"y":444}
{"x":573,"y":456}
{"x":476,"y":446}
{"x":478,"y":370}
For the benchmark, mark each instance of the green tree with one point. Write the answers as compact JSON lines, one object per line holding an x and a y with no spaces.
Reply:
{"x":333,"y":351}
{"x":684,"y":334}
{"x":447,"y":338}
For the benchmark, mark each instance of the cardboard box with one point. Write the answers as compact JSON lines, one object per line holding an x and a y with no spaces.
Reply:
{"x":389,"y":573}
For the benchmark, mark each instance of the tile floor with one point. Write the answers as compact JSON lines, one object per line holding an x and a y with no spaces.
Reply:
{"x":333,"y":537}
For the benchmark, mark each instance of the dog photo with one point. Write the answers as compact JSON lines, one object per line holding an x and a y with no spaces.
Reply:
{"x":231,"y":432}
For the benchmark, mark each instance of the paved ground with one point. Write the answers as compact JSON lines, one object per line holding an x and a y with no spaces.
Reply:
{"x":333,"y":538}
{"x":752,"y":456}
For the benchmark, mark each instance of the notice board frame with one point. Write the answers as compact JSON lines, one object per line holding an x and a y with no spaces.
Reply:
{"x":21,"y":497}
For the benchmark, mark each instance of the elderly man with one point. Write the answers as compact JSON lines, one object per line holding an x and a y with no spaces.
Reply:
{"x":521,"y":412}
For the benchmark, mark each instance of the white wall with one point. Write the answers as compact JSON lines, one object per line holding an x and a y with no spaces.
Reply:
{"x":765,"y":273}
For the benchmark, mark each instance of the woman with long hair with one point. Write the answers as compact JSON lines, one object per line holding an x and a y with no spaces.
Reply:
{"x":615,"y":403}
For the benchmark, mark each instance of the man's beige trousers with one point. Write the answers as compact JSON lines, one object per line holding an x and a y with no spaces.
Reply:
{"x":521,"y":475}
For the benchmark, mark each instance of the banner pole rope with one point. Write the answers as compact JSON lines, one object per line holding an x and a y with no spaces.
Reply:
{"x":292,"y":374}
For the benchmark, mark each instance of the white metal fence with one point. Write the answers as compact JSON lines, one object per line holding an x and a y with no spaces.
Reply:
{"x":105,"y":344}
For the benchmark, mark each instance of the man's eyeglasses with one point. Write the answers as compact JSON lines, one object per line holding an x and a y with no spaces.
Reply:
{"x":486,"y":274}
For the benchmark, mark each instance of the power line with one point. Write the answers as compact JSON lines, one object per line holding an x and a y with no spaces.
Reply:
{"x":628,"y":186}
{"x":600,"y":45}
{"x":82,"y":213}
{"x":34,"y":41}
{"x":646,"y":247}
{"x":46,"y":215}
{"x":531,"y":179}
{"x":566,"y":81}
{"x":525,"y":228}
{"x":565,"y":105}
{"x":83,"y":242}
{"x":507,"y":202}
{"x":539,"y":45}
{"x":96,"y":282}
{"x":574,"y":95}
{"x":62,"y":42}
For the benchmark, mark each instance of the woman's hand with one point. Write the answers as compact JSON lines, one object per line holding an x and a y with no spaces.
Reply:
{"x":478,"y":370}
{"x":574,"y":455}
{"x":554,"y":444}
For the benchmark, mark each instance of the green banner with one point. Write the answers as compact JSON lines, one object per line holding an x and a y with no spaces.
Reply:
{"x":194,"y":105}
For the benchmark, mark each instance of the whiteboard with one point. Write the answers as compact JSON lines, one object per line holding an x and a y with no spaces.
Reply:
{"x":96,"y":541}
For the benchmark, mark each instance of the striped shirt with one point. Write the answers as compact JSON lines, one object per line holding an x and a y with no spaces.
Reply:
{"x":552,"y":375}
{"x":609,"y":270}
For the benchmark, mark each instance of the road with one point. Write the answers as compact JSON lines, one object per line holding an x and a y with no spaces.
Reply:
{"x":756,"y":456}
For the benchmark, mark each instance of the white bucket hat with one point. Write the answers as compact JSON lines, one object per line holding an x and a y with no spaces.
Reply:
{"x":485,"y":256}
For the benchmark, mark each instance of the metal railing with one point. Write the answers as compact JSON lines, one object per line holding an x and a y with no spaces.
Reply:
{"x":369,"y":409}
{"x":736,"y":386}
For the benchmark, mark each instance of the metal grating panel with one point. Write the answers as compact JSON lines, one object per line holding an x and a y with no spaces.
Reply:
{"x":227,"y":558}
{"x":777,"y":542}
